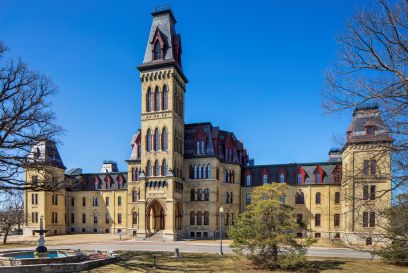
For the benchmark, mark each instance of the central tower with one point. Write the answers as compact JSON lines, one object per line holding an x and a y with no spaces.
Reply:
{"x":162,"y":126}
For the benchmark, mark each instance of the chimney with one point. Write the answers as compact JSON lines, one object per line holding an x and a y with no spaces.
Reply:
{"x":109,"y":166}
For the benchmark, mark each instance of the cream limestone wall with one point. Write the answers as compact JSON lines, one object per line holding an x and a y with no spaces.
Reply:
{"x":353,"y":183}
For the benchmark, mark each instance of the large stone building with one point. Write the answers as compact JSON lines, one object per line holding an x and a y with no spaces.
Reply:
{"x":179,"y":175}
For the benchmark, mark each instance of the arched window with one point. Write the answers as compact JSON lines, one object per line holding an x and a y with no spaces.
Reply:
{"x":95,"y":201}
{"x":157,"y":51}
{"x":299,"y":178}
{"x":208,"y":171}
{"x":199,"y":195}
{"x":204,"y":171}
{"x":199,"y":218}
{"x":134,"y":196}
{"x":227,"y":197}
{"x":318,"y":177}
{"x":119,"y":200}
{"x":198,"y":147}
{"x":282,"y":178}
{"x":206,"y":195}
{"x":200,"y":171}
{"x":192,"y":218}
{"x":164,"y":139}
{"x":202,"y":147}
{"x":149,"y":100}
{"x":299,"y":198}
{"x":265,"y":179}
{"x":318,"y":197}
{"x":149,"y":140}
{"x":148,"y":168}
{"x":248,"y":199}
{"x":248,"y":180}
{"x":230,"y":198}
{"x":195,"y":172}
{"x":192,"y":195}
{"x":156,"y":139}
{"x":165,"y":98}
{"x":226,"y":176}
{"x":156,"y":99}
{"x":156,"y":168}
{"x":164,"y":167}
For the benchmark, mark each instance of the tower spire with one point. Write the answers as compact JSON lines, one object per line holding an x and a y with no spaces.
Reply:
{"x":163,"y":47}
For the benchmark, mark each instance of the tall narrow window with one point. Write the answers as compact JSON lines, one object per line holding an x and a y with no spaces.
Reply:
{"x":365,"y":219}
{"x":265,"y":179}
{"x":199,"y":195}
{"x":119,"y":218}
{"x":318,"y":198}
{"x":164,"y":139}
{"x":204,"y":171}
{"x":107,"y":200}
{"x":156,"y":168}
{"x":156,"y":99}
{"x":365,"y":192}
{"x":248,"y":199}
{"x":165,"y":98}
{"x":148,"y":168}
{"x":317,"y":220}
{"x":299,"y":218}
{"x":318,"y":178}
{"x":199,"y":218}
{"x":365,"y":167}
{"x":373,"y":166}
{"x":202,"y":147}
{"x":372,"y":192}
{"x":299,"y":198}
{"x":134,"y":217}
{"x":337,"y":197}
{"x":156,"y":139}
{"x":195,"y":172}
{"x":149,"y":140}
{"x":208,"y":171}
{"x":200,"y":172}
{"x":336,"y":220}
{"x":206,"y":218}
{"x":164,"y":167}
{"x":192,"y":195}
{"x":192,"y":218}
{"x":95,"y":218}
{"x":157,"y":51}
{"x":119,"y":201}
{"x":206,"y":195}
{"x":134,"y":196}
{"x":372,"y":219}
{"x":198,"y":147}
{"x":299,"y":178}
{"x":149,"y":100}
{"x":248,"y":180}
{"x":282,"y":178}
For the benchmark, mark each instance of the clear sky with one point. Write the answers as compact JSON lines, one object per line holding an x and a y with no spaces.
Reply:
{"x":255,"y":68}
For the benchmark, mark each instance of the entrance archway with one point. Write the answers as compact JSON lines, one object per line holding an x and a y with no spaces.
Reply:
{"x":155,"y":217}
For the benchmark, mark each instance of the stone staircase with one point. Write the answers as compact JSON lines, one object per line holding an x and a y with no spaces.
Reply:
{"x":158,"y":236}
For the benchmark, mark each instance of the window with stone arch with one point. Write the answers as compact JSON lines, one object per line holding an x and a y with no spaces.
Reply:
{"x":164,"y":144}
{"x":195,"y":172}
{"x":157,"y":51}
{"x":208,"y":171}
{"x":149,"y":100}
{"x":200,"y":171}
{"x":204,"y":171}
{"x":299,"y":178}
{"x":164,"y":167}
{"x":156,"y":139}
{"x":156,"y":168}
{"x":248,"y":180}
{"x":156,"y":99}
{"x":265,"y":179}
{"x":318,"y":198}
{"x":148,"y":140}
{"x":282,"y":178}
{"x":165,"y":98}
{"x":148,"y":168}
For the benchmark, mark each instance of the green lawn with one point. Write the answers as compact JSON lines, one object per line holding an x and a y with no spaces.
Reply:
{"x":190,"y":262}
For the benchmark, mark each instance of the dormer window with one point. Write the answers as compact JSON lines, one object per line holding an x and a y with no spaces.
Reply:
{"x":282,"y":178}
{"x":299,"y":178}
{"x":157,"y":51}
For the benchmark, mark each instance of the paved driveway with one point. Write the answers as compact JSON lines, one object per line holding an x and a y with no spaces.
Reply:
{"x":198,"y":247}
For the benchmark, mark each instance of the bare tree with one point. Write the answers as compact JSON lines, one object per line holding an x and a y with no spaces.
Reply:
{"x":371,"y":69}
{"x":12,"y":215}
{"x":26,"y":119}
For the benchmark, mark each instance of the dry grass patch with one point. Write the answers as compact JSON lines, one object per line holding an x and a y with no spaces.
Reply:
{"x":136,"y":261}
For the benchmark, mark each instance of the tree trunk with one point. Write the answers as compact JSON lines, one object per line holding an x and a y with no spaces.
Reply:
{"x":6,"y":232}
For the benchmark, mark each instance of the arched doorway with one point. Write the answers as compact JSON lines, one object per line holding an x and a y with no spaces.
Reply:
{"x":155,"y":217}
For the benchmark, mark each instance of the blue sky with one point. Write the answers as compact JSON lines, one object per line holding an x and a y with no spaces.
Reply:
{"x":255,"y":68}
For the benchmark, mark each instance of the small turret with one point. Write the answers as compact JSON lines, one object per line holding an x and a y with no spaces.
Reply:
{"x":46,"y":152}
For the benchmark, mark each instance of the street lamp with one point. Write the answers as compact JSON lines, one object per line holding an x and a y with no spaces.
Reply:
{"x":221,"y":212}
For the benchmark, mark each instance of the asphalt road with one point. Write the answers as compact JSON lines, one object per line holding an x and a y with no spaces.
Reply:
{"x":198,"y":247}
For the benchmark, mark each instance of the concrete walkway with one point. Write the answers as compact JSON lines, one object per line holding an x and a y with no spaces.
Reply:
{"x":196,"y":247}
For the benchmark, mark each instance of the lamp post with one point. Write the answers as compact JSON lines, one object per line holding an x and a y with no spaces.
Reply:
{"x":221,"y":212}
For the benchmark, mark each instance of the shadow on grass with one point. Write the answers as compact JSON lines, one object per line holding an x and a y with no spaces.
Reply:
{"x":202,"y":262}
